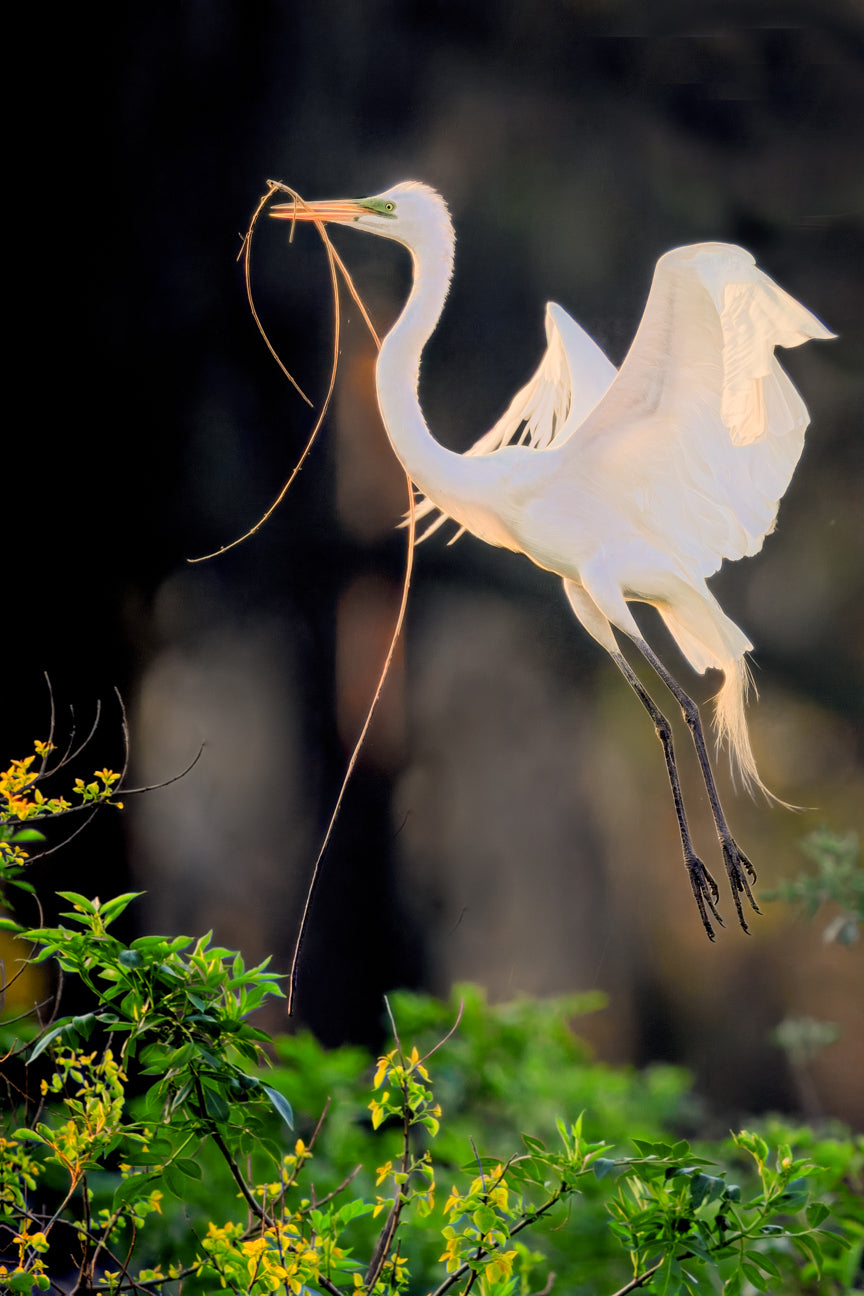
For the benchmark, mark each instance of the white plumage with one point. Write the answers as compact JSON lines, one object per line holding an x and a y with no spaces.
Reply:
{"x":632,"y":485}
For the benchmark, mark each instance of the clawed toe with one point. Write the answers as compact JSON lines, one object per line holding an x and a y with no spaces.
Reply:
{"x":705,"y":893}
{"x":738,"y":868}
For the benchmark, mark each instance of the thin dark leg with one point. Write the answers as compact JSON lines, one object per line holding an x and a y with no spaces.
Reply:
{"x":738,"y":866}
{"x":704,"y":887}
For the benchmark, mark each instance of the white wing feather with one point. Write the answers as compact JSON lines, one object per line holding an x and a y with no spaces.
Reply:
{"x":699,"y":434}
{"x":572,"y":377}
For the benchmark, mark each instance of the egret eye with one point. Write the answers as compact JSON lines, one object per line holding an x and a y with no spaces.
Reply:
{"x":382,"y":206}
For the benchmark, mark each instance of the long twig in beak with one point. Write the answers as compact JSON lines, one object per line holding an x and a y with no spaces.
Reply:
{"x":245,"y":252}
{"x":335,"y":263}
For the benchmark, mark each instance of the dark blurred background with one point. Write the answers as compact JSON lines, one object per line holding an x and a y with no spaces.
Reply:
{"x":509,"y":821}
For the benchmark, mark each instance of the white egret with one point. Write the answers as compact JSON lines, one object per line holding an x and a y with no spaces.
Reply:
{"x":631,"y":485}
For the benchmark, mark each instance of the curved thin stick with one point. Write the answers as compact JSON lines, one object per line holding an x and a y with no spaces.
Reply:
{"x":246,"y":253}
{"x":316,"y":871}
{"x":331,"y":260}
{"x":349,"y":282}
{"x":334,"y":262}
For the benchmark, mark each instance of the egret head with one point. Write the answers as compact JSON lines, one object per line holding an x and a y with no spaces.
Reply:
{"x":410,"y":213}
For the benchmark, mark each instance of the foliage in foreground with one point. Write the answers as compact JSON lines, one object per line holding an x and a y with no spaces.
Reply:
{"x":838,"y":881}
{"x":148,"y":1149}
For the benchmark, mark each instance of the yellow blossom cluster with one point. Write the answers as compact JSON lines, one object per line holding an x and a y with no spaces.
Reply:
{"x":20,"y":798}
{"x":29,"y":1274}
{"x":278,"y":1258}
{"x":481,"y":1215}
{"x":22,"y":801}
{"x":93,"y":1095}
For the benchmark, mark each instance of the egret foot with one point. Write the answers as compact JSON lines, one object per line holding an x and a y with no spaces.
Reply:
{"x":738,"y":867}
{"x":705,"y":893}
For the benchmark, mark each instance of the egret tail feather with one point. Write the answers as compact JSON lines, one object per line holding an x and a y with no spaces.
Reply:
{"x":730,"y":720}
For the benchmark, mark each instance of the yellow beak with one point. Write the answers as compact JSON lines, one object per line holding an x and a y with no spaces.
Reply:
{"x":340,"y":210}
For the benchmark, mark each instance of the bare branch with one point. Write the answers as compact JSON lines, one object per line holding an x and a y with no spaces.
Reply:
{"x":452,"y":1031}
{"x":639,"y":1281}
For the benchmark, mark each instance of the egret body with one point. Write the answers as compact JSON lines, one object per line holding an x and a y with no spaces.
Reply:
{"x":631,"y":485}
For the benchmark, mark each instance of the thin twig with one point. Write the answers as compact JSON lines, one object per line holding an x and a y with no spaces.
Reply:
{"x":525,"y":1222}
{"x":40,"y":1222}
{"x":334,"y":262}
{"x":388,"y":1233}
{"x":316,"y":871}
{"x":43,"y":1026}
{"x":229,"y":1160}
{"x":246,"y":253}
{"x":92,"y":807}
{"x":10,"y":1021}
{"x":318,"y":1202}
{"x":394,"y":1028}
{"x":639,"y":1281}
{"x":452,"y":1031}
{"x":331,"y":261}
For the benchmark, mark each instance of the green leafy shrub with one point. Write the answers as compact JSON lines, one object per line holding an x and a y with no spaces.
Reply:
{"x":151,"y":1144}
{"x":838,"y":881}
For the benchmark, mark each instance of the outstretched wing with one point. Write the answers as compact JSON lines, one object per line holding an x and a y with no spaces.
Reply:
{"x":698,"y":436}
{"x":572,"y":377}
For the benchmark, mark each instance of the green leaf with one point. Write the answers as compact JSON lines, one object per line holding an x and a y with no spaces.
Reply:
{"x":704,"y":1187}
{"x":753,"y":1276}
{"x":765,"y":1262}
{"x":74,"y":1026}
{"x":28,"y":835}
{"x":603,"y":1166}
{"x":174,"y":1180}
{"x":485,"y":1218}
{"x":281,"y":1105}
{"x":191,"y":1169}
{"x":795,"y":1194}
{"x":133,"y":1187}
{"x":811,"y":1250}
{"x":152,"y":944}
{"x":112,"y":908}
{"x":28,"y":1136}
{"x":215,"y":1105}
{"x":353,"y":1210}
{"x":80,"y":901}
{"x":817,"y":1212}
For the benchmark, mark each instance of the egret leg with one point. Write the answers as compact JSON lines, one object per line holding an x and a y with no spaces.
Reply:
{"x":702,"y":883}
{"x":738,"y":866}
